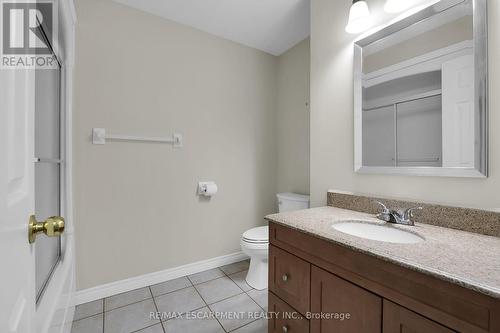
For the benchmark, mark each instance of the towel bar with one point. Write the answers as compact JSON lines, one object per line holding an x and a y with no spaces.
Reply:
{"x":99,"y":137}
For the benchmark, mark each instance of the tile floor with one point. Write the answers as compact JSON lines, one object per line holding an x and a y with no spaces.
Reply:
{"x":222,"y":291}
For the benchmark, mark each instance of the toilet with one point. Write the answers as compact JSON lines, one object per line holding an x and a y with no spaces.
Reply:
{"x":255,"y":242}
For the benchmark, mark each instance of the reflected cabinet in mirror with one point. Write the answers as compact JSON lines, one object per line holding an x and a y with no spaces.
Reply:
{"x":420,"y":93}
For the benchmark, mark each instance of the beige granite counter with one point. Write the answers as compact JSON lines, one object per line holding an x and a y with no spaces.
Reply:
{"x":466,"y":259}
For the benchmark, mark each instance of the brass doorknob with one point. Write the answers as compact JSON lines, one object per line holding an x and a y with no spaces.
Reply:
{"x":52,"y":227}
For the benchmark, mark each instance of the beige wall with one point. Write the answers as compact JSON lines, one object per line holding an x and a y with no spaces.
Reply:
{"x":136,"y":205}
{"x":293,"y":119}
{"x":332,"y":120}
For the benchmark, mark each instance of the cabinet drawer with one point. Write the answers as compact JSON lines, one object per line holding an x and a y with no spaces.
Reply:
{"x":283,"y":318}
{"x":400,"y":320}
{"x":290,"y":278}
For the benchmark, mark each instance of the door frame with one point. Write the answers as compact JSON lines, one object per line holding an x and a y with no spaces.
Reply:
{"x":55,"y":311}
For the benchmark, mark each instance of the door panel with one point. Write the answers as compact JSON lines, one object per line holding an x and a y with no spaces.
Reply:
{"x":419,"y":133}
{"x":47,"y":249}
{"x":19,"y":312}
{"x":458,"y":112}
{"x":379,"y":133}
{"x":47,"y":114}
{"x":332,"y":295}
{"x":401,"y":320}
{"x":47,"y":171}
{"x":16,"y":200}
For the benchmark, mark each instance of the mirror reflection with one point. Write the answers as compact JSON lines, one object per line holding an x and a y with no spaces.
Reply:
{"x":418,"y":94}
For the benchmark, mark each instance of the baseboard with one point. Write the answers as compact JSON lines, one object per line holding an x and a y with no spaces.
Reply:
{"x":113,"y":288}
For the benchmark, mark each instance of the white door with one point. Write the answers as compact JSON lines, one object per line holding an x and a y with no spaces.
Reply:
{"x":31,"y":178}
{"x":17,"y":200}
{"x":458,"y":112}
{"x":34,"y":276}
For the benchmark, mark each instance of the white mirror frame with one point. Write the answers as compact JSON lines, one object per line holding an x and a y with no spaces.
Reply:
{"x":480,"y":169}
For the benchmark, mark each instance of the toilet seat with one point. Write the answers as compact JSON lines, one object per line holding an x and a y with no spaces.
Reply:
{"x":259,"y":235}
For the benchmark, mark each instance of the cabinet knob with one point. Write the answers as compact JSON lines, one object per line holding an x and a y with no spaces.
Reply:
{"x":285,"y":277}
{"x":285,"y":329}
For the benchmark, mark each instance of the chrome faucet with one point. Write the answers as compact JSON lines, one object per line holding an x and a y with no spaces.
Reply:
{"x":396,"y":216}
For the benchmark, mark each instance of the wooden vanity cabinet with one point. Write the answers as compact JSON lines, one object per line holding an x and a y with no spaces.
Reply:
{"x":333,"y":295}
{"x":323,"y":282}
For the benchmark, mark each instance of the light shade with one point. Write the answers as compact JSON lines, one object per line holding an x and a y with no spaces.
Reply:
{"x":359,"y":17}
{"x":397,"y":6}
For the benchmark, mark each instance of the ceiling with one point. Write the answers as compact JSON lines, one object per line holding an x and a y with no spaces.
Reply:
{"x":272,"y":26}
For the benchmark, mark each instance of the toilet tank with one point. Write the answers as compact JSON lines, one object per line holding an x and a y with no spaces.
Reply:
{"x":292,"y":201}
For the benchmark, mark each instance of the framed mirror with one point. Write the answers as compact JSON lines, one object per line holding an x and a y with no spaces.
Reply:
{"x":420,"y":94}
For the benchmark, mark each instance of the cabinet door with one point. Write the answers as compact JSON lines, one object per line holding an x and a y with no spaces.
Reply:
{"x":340,"y":306}
{"x":283,"y":318}
{"x":398,"y":319}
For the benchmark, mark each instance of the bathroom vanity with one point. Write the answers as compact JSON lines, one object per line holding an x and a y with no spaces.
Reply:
{"x":420,"y":108}
{"x":325,"y":280}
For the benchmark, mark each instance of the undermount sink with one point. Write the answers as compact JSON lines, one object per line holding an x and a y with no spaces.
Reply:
{"x":378,"y":232}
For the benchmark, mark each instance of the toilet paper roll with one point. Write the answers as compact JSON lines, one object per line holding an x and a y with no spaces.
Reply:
{"x":210,"y":189}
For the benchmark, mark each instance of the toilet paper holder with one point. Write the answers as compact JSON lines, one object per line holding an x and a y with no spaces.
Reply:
{"x":207,"y":188}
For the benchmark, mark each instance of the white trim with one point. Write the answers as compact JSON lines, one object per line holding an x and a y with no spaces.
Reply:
{"x":358,"y":106}
{"x":117,"y":287}
{"x":390,"y":101}
{"x":449,"y":13}
{"x":428,"y":62}
{"x":421,"y":171}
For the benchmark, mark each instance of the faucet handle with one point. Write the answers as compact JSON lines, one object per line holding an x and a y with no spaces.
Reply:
{"x":385,"y":214}
{"x":408,"y":213}
{"x":385,"y":210}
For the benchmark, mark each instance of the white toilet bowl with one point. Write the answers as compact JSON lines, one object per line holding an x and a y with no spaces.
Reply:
{"x":255,"y":244}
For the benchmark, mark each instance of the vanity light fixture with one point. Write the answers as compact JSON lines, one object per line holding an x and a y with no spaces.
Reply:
{"x":397,"y":6}
{"x":359,"y":17}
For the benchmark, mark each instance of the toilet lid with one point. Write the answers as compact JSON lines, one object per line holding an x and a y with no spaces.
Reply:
{"x":257,"y":235}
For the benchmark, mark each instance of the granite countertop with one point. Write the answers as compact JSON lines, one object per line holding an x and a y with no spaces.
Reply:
{"x":463,"y":258}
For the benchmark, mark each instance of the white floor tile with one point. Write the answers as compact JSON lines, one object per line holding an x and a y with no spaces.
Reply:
{"x":88,"y":325}
{"x":237,"y":311}
{"x":151,"y":329}
{"x":181,"y":301}
{"x":130,"y":318}
{"x":259,"y":296}
{"x":169,"y":286}
{"x":88,"y":309}
{"x":218,"y":289}
{"x":196,"y":322}
{"x":206,"y":276}
{"x":127,"y":298}
{"x":239,"y":279}
{"x":258,"y":326}
{"x":236,"y":267}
